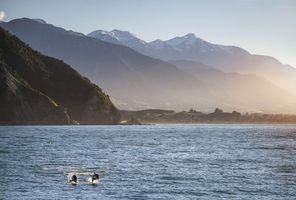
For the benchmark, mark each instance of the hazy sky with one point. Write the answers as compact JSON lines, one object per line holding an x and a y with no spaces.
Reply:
{"x":260,"y":26}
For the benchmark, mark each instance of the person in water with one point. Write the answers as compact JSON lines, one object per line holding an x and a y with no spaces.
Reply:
{"x":74,"y":179}
{"x":95,"y":177}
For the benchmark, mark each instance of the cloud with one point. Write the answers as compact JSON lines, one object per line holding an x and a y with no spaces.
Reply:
{"x":2,"y":15}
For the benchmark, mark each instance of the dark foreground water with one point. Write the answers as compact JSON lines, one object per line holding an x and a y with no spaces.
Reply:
{"x":149,"y":162}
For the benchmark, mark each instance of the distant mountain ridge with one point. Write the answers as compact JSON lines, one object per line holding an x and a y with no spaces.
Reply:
{"x":224,"y":58}
{"x":36,"y":89}
{"x":243,"y":88}
{"x":118,"y":37}
{"x":135,"y":81}
{"x":187,"y":47}
{"x":132,"y":79}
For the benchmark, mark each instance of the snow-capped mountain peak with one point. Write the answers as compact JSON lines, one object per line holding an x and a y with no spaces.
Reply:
{"x":118,"y":37}
{"x":123,"y":36}
{"x":40,"y":21}
{"x":190,"y":36}
{"x":101,"y":32}
{"x":98,"y":32}
{"x":158,"y":44}
{"x":188,"y":39}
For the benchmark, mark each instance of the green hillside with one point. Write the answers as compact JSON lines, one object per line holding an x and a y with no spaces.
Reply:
{"x":46,"y":86}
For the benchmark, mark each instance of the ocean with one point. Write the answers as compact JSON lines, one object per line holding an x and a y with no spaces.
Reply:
{"x":149,"y":162}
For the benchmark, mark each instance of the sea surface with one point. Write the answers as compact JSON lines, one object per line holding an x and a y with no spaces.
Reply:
{"x":149,"y":162}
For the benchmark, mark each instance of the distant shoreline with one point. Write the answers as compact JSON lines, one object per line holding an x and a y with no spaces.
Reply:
{"x":158,"y":116}
{"x":191,"y":117}
{"x":159,"y":123}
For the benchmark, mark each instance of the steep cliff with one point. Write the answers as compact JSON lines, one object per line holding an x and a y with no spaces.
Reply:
{"x":43,"y":89}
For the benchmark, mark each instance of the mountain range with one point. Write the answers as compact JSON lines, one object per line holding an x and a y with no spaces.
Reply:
{"x":135,"y":81}
{"x":37,"y":89}
{"x":192,"y":48}
{"x":177,"y":74}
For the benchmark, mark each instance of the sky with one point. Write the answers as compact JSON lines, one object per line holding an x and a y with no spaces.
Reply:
{"x":266,"y":27}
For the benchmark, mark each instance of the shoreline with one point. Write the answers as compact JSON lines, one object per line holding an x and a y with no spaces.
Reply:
{"x":159,"y":123}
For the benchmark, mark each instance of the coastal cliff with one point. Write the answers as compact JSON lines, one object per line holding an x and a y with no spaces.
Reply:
{"x":37,"y":89}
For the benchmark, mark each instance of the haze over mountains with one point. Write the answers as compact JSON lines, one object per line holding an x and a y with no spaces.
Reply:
{"x":125,"y":74}
{"x":185,"y":71}
{"x":225,"y":58}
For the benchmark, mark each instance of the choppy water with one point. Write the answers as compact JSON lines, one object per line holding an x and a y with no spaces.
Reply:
{"x":149,"y":162}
